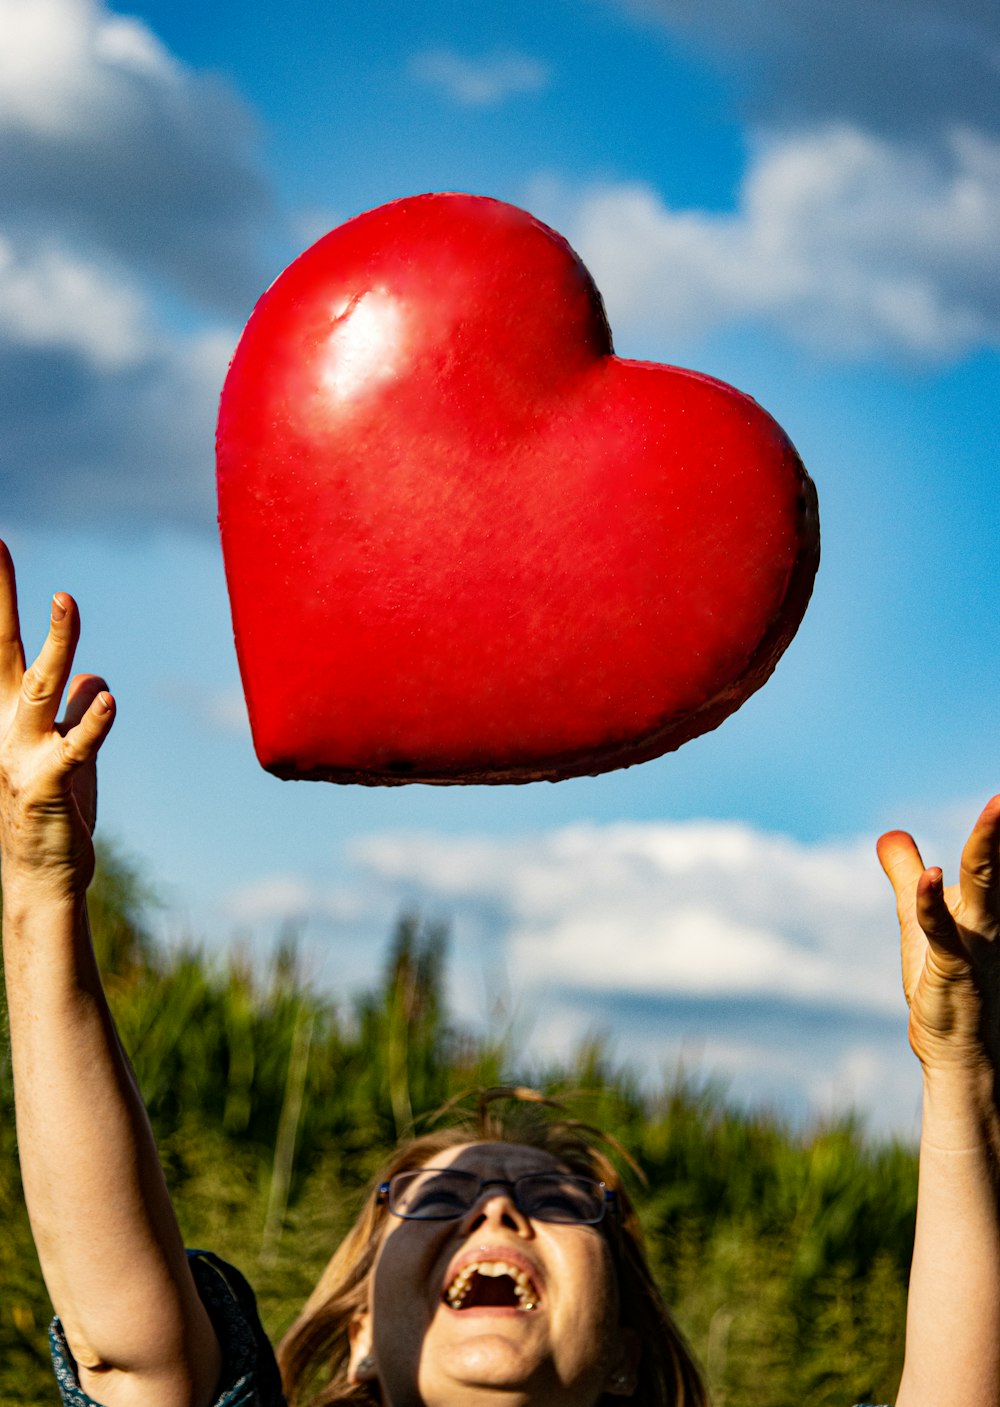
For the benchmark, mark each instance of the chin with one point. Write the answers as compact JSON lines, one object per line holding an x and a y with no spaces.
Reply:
{"x":490,"y":1358}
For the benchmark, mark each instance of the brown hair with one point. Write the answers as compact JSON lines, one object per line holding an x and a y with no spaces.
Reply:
{"x":314,"y":1354}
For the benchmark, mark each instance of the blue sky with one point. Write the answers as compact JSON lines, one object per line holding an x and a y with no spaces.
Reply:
{"x":804,"y":200}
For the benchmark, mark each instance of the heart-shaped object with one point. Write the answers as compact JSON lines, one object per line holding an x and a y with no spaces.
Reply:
{"x":465,"y":542}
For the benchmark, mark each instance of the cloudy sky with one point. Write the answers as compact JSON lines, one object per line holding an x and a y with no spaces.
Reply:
{"x":801,"y":198}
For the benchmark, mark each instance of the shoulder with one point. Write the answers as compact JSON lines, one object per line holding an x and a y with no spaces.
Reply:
{"x":249,"y":1376}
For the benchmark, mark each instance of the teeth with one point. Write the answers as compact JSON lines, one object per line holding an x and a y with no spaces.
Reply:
{"x":493,"y":1269}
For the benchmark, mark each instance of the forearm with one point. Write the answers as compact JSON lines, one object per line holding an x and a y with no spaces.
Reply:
{"x":106,"y":1234}
{"x":953,"y":1314}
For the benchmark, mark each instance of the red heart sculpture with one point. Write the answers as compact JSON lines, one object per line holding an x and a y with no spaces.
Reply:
{"x":465,"y":542}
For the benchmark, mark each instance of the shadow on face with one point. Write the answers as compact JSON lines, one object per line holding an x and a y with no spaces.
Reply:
{"x":492,"y":1287}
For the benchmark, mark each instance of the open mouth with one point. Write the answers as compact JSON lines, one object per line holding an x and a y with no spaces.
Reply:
{"x":492,"y":1284}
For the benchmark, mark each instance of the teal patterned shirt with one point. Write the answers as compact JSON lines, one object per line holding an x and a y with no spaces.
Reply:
{"x":249,"y":1374}
{"x":249,"y":1371}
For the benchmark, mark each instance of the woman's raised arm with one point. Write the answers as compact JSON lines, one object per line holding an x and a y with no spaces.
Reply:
{"x":106,"y":1234}
{"x":951,"y":975}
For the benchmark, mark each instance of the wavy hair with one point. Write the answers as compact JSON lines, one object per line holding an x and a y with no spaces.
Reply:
{"x":314,"y":1355}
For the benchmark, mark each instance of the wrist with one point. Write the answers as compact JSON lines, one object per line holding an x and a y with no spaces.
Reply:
{"x":959,"y":1107}
{"x":30,"y":891}
{"x":53,"y":863}
{"x":48,"y":953}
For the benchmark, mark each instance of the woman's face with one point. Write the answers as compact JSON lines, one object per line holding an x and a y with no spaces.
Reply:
{"x":539,"y":1327}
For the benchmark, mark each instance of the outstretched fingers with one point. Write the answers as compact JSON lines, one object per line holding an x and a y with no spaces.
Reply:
{"x":924,"y":916}
{"x":82,"y":739}
{"x":979,"y":880}
{"x":11,"y":651}
{"x":899,"y":857}
{"x":43,"y":681}
{"x":89,"y":716}
{"x":83,"y":690}
{"x":935,"y":917}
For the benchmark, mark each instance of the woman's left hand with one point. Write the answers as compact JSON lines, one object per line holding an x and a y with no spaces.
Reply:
{"x":951,"y":976}
{"x":951,"y":948}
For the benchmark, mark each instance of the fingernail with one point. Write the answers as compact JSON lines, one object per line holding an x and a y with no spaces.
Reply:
{"x":58,"y":609}
{"x":103,"y":702}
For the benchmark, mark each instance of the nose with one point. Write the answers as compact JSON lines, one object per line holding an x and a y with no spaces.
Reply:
{"x":496,"y":1207}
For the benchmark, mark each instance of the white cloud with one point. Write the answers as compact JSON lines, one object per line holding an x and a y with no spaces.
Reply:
{"x":108,"y":140}
{"x":801,"y":1070}
{"x":765,"y":961}
{"x":483,"y":82}
{"x":221,"y":710}
{"x":286,"y":897}
{"x":49,"y":298}
{"x":110,"y":446}
{"x":312,"y":223}
{"x":694,"y":909}
{"x":278,"y":898}
{"x":227,"y":711}
{"x":326,"y":923}
{"x":895,"y":67}
{"x":132,"y":193}
{"x":277,"y":902}
{"x":840,"y":240}
{"x":67,"y":62}
{"x":126,"y":43}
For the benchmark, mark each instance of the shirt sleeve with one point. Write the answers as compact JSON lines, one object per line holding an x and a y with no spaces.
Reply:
{"x":249,"y":1376}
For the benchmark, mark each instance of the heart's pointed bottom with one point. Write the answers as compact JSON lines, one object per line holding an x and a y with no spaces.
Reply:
{"x":611,"y":755}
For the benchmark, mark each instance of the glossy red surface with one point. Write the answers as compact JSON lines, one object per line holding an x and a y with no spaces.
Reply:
{"x":464,"y":542}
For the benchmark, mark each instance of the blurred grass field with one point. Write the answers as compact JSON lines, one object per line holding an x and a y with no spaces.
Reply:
{"x":784,"y":1252}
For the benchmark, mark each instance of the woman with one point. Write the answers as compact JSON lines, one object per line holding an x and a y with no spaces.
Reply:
{"x":495,"y":1263}
{"x":499,"y":1249}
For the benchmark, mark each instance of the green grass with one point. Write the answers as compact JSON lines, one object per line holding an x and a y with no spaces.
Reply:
{"x":784,"y":1253}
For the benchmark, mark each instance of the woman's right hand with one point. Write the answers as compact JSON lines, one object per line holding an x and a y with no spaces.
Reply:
{"x":48,"y":775}
{"x":107,"y":1237}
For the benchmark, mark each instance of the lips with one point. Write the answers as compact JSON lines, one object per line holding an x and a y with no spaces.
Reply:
{"x":492,"y":1278}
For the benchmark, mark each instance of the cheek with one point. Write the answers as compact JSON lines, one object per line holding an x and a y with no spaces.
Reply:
{"x":401,"y":1277}
{"x":403,"y":1303}
{"x":589,"y":1301}
{"x":606,"y":1286}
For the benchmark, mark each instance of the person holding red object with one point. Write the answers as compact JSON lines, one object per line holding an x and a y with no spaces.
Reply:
{"x":497,"y":1261}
